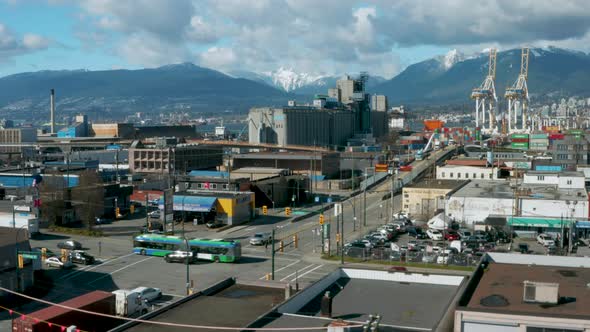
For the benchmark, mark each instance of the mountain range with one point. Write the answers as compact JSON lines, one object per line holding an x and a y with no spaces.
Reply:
{"x":446,"y":79}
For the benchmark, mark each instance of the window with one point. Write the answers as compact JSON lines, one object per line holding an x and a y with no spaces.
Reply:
{"x":540,"y":178}
{"x":443,"y":174}
{"x":199,"y":185}
{"x":482,"y":176}
{"x":224,"y":187}
{"x":491,"y":176}
{"x":213,"y":186}
{"x":451,"y":176}
{"x":569,"y":181}
{"x":406,"y":206}
{"x":458,"y":175}
{"x":467,"y":175}
{"x":474,"y":176}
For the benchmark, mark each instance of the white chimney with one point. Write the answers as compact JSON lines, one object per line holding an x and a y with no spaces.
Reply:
{"x":52,"y":110}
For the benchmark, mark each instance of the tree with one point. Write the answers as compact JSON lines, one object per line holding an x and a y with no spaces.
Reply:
{"x":52,"y":193}
{"x":89,"y":195}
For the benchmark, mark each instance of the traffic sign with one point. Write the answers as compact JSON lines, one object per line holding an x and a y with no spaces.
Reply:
{"x":329,"y":199}
{"x":337,"y":209}
{"x":29,"y":256}
{"x":317,"y":199}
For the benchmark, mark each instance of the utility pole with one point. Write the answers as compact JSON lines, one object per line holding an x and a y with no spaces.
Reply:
{"x":392,"y":192}
{"x":342,"y":236}
{"x":272,"y":247}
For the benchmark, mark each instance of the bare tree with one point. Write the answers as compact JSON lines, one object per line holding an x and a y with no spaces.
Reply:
{"x":89,"y":194}
{"x":53,"y":195}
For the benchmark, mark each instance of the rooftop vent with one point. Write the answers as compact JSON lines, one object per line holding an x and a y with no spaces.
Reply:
{"x":494,"y":300}
{"x":541,"y":292}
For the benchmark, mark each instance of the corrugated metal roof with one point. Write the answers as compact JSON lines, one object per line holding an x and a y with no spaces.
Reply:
{"x":191,"y":203}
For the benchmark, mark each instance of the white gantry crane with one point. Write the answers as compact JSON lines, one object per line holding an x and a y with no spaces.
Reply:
{"x":486,"y":94}
{"x":518,"y":95}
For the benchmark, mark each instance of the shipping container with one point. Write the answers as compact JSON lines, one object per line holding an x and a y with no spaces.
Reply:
{"x":548,"y":168}
{"x":519,"y":145}
{"x":520,"y":136}
{"x":416,"y":146}
{"x":556,"y":136}
{"x":551,"y":129}
{"x":537,"y":136}
{"x":96,"y":301}
{"x":520,"y":140}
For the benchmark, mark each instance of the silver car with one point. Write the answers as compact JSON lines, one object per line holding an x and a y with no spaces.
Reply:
{"x":260,"y":239}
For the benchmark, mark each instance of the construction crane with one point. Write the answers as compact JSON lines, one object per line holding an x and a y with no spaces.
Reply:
{"x":518,"y":94}
{"x":486,"y":94}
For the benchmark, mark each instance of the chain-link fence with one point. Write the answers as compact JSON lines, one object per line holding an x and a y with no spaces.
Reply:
{"x":385,"y":255}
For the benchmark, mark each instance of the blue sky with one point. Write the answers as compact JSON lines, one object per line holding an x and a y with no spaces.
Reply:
{"x":316,"y":37}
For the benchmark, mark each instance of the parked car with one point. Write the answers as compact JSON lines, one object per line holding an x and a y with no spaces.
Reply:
{"x":81,"y":257}
{"x":213,"y":225}
{"x":464,"y":233}
{"x":55,"y":262}
{"x":260,"y":239}
{"x":443,"y":258}
{"x":70,"y":245}
{"x":417,"y":233}
{"x":148,"y":293}
{"x":379,"y":236}
{"x":428,"y":258}
{"x":451,"y":236}
{"x":179,"y":256}
{"x":155,"y":214}
{"x":545,"y":240}
{"x":434,"y":234}
{"x":412,"y":244}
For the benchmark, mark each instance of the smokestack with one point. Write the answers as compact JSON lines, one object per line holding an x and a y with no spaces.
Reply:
{"x":52,"y":110}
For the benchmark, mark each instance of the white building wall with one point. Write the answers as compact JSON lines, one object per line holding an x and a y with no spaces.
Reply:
{"x":466,"y":173}
{"x":553,"y":208}
{"x":572,"y":182}
{"x":469,"y":210}
{"x":396,"y":123}
{"x":548,"y":179}
{"x":562,"y":181}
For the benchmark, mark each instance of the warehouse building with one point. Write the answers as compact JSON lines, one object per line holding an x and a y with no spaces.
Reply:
{"x":230,"y":208}
{"x":423,"y":199}
{"x":542,"y":195}
{"x":17,"y":136}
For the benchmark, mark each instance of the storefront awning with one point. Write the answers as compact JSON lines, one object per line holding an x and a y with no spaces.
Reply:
{"x":583,"y":224}
{"x":191,"y":203}
{"x":538,"y":222}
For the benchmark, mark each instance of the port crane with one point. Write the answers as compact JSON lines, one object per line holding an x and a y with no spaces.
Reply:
{"x":518,"y":94}
{"x":485,"y":95}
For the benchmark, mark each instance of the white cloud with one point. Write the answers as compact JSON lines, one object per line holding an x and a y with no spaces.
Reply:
{"x":11,"y":45}
{"x":329,"y":36}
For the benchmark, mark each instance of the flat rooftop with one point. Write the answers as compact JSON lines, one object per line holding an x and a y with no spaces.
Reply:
{"x":560,"y":174}
{"x":507,"y":280}
{"x":405,"y":302}
{"x":501,"y":189}
{"x":235,"y":306}
{"x":437,"y":184}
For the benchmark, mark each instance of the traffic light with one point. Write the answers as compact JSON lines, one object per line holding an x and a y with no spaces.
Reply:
{"x":117,"y":212}
{"x":43,"y":254}
{"x":337,"y":237}
{"x":321,"y":219}
{"x":132,"y":209}
{"x":296,"y":240}
{"x":21,"y":261}
{"x":264,"y":210}
{"x":64,"y":255}
{"x":287,"y":211}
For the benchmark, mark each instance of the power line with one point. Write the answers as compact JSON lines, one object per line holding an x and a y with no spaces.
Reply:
{"x":223,"y":328}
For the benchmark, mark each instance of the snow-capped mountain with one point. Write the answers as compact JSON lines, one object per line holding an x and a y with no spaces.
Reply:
{"x":287,"y":79}
{"x":451,"y":58}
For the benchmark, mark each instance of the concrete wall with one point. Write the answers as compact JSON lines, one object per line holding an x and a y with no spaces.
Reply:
{"x":553,"y":208}
{"x":416,"y":278}
{"x":423,"y":201}
{"x":469,"y":210}
{"x":467,"y":321}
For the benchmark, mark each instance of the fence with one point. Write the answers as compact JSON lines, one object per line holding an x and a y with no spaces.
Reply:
{"x":386,"y":255}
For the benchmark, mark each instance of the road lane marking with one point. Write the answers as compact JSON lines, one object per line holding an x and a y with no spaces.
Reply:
{"x":301,"y":276}
{"x":268,"y":257}
{"x":118,"y":270}
{"x":297,"y":271}
{"x":284,"y":267}
{"x":92,"y":267}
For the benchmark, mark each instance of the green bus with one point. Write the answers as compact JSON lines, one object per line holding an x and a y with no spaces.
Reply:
{"x":216,"y":250}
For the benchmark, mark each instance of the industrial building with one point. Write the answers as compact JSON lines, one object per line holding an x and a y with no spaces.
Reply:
{"x":120,"y":130}
{"x":570,"y":151}
{"x":200,"y":206}
{"x":169,"y":158}
{"x":300,"y":125}
{"x":542,"y":195}
{"x":425,"y":198}
{"x":10,"y":276}
{"x":533,"y":293}
{"x":318,"y":163}
{"x":78,"y":129}
{"x":329,"y":122}
{"x":379,"y":103}
{"x":458,"y":172}
{"x":16,"y":136}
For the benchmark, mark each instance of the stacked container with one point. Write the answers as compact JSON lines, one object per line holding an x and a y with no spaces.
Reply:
{"x":520,"y":141}
{"x":539,"y":142}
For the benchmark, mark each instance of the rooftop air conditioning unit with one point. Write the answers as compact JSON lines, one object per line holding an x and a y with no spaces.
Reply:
{"x":541,"y":292}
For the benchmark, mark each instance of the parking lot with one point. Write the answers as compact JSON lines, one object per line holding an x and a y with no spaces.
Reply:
{"x":378,"y":244}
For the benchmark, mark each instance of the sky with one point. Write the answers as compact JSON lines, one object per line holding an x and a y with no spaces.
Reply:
{"x":327,"y":37}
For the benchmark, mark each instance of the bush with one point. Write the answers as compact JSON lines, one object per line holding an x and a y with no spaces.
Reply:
{"x":76,"y":231}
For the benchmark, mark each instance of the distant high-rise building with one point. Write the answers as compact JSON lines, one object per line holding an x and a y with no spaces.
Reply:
{"x":345,"y":87}
{"x":379,"y":103}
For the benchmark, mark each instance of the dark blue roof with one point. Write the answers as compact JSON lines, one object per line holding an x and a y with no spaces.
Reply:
{"x":20,"y":181}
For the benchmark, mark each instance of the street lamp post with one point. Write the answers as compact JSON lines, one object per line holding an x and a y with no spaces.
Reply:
{"x":16,"y":243}
{"x":188,"y":283}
